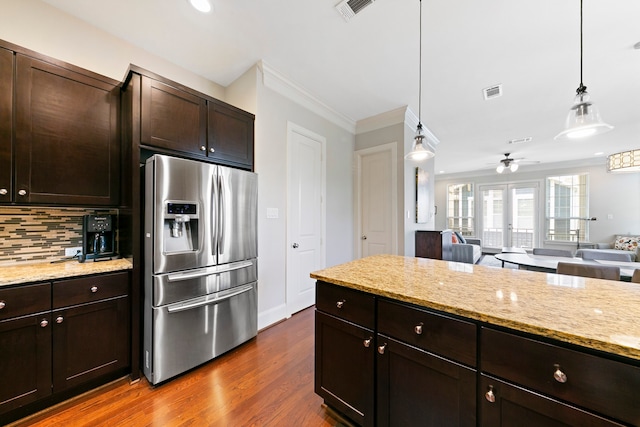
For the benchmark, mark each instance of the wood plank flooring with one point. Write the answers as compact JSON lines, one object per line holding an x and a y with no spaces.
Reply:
{"x":265,"y":382}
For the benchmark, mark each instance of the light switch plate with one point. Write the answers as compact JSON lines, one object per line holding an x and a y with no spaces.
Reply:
{"x":72,"y":251}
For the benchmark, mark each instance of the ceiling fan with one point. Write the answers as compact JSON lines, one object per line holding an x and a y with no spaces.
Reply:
{"x":508,"y":164}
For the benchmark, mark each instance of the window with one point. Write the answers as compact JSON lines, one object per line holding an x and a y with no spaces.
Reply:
{"x":460,"y":208}
{"x":567,"y":208}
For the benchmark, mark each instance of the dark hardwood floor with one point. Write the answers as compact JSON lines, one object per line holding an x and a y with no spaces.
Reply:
{"x":265,"y":382}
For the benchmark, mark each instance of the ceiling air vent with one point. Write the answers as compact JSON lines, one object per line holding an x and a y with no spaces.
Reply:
{"x":520,"y":140}
{"x":492,"y":92}
{"x":349,"y":8}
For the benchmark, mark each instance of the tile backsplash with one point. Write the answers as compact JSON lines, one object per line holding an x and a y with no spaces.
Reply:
{"x":40,"y":234}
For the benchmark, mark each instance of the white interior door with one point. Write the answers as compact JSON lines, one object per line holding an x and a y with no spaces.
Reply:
{"x":377,"y":194}
{"x":305,"y":215}
{"x":509,"y":215}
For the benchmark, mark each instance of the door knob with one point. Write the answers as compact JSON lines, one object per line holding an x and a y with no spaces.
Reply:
{"x":295,"y":246}
{"x":364,"y":237}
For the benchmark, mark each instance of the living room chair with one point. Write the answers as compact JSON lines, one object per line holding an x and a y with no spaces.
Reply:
{"x":609,"y":256}
{"x":636,"y":276}
{"x":553,"y":252}
{"x":607,"y":272}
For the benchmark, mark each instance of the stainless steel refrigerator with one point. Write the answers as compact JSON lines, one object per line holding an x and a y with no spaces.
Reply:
{"x":200,"y":244}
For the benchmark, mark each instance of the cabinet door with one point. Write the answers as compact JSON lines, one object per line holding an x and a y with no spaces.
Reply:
{"x":344,"y":367}
{"x":67,"y":142}
{"x":172,"y":119}
{"x":6,"y":123}
{"x":90,"y":341}
{"x":230,"y":135}
{"x":502,"y":404}
{"x":417,"y":388}
{"x":25,"y":360}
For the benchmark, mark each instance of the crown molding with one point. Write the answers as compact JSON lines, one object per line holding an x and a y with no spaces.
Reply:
{"x":277,"y":82}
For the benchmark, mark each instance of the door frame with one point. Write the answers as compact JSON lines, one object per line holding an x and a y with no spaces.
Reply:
{"x":506,"y":188}
{"x":392,"y":148}
{"x":291,"y":129}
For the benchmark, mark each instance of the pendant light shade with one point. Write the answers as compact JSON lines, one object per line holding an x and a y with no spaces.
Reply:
{"x":584,"y":118}
{"x":627,"y":161}
{"x":420,"y":151}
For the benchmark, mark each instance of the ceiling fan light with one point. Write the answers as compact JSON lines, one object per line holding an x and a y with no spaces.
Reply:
{"x":514,"y":167}
{"x":203,"y":6}
{"x":500,"y":168}
{"x":583,"y":120}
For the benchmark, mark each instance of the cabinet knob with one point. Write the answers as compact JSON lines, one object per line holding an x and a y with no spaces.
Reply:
{"x":3,"y":191}
{"x":340,"y":304}
{"x":489,"y":395}
{"x":367,"y":342}
{"x":418,"y":329}
{"x":203,"y":148}
{"x":22,"y":192}
{"x":2,"y":305}
{"x":94,"y":289}
{"x":382,"y":348}
{"x":558,"y":375}
{"x":59,"y":319}
{"x":212,"y":150}
{"x":43,"y":323}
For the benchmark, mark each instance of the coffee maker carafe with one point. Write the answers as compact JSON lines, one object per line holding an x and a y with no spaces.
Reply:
{"x":98,"y":238}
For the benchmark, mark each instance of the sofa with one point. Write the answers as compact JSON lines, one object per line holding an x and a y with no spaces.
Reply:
{"x":468,"y":252}
{"x":621,"y":245}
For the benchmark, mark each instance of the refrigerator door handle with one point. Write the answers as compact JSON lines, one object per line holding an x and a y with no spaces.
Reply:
{"x":176,"y":277}
{"x":189,"y":306}
{"x":221,"y":216}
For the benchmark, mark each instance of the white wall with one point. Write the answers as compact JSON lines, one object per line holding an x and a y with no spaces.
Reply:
{"x":42,"y":28}
{"x":609,"y":194}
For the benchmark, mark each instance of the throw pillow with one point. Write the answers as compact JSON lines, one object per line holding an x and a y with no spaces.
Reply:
{"x":626,"y":243}
{"x":460,"y":237}
{"x":454,"y":239}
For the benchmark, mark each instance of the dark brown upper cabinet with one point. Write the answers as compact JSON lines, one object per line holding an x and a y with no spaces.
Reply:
{"x":6,"y":123}
{"x":175,"y":119}
{"x":67,"y":142}
{"x":230,"y":134}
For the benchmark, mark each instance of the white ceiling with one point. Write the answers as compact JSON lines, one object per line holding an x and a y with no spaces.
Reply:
{"x":369,"y":65}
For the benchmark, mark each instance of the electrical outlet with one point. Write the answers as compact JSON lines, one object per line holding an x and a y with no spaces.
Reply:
{"x":72,"y":251}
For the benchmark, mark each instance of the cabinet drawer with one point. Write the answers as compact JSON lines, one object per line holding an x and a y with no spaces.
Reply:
{"x":354,"y":306}
{"x":88,"y":289}
{"x":601,"y":385}
{"x":25,"y":299}
{"x":452,"y":338}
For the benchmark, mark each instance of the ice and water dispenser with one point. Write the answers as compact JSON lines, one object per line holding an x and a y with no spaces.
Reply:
{"x":180,"y":227}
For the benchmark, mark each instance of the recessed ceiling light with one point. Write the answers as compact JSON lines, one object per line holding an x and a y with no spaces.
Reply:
{"x":203,"y":6}
{"x":599,"y":153}
{"x":636,"y":46}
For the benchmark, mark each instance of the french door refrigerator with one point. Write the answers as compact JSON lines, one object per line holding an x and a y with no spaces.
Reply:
{"x":200,"y":244}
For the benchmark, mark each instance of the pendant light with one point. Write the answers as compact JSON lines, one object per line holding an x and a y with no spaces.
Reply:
{"x":584,"y":117}
{"x":627,"y":161}
{"x":420,"y":150}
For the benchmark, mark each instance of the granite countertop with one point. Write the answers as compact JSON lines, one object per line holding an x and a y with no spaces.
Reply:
{"x":598,"y":314}
{"x":25,"y":273}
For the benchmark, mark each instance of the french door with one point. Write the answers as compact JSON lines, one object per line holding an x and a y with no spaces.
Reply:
{"x":509,"y":216}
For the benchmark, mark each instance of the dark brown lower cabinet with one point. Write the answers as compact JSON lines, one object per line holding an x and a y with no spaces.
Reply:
{"x":344,"y":371}
{"x":417,"y":388}
{"x":25,"y":360}
{"x":89,"y":341}
{"x":504,"y":404}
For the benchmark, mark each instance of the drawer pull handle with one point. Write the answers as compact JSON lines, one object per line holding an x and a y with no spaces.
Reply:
{"x":212,"y":150}
{"x":94,"y":289}
{"x":203,"y":148}
{"x":59,"y":319}
{"x":490,"y":395}
{"x":22,"y":192}
{"x":3,"y":191}
{"x":382,"y":348}
{"x":340,"y":304}
{"x":2,"y":305}
{"x":558,"y":375}
{"x":367,"y":342}
{"x":418,"y":329}
{"x":43,"y":323}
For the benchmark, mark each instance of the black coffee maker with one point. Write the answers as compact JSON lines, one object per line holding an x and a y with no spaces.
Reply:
{"x":98,"y":238}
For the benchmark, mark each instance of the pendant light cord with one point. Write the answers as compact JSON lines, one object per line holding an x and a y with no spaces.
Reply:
{"x":582,"y":88}
{"x":420,"y":70}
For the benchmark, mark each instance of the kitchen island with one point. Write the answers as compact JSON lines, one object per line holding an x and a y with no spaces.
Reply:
{"x":498,"y":345}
